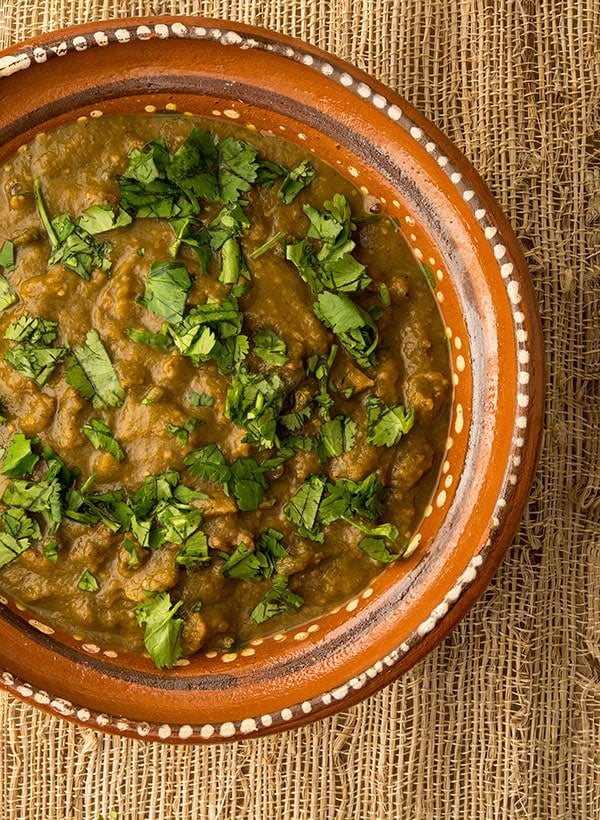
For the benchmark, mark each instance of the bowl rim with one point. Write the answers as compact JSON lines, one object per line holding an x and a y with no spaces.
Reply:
{"x":511,"y":268}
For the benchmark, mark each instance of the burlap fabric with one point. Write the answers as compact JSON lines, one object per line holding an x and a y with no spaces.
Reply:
{"x":503,"y":719}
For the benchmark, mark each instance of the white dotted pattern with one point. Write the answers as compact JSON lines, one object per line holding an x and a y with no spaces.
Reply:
{"x":21,"y":61}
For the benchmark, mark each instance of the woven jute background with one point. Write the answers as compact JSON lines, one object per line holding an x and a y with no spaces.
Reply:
{"x":503,"y":719}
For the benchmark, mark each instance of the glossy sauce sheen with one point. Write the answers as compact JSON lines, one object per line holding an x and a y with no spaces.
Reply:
{"x":78,"y":166}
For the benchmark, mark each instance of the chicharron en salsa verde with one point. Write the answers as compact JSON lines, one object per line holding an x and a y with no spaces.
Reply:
{"x":224,"y":384}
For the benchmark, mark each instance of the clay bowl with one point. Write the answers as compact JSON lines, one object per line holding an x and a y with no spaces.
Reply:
{"x":487,"y":302}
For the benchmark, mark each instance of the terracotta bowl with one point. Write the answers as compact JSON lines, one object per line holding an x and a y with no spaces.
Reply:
{"x":485,"y":295}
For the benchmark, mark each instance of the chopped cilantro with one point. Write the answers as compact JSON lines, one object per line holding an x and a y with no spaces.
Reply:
{"x":200,"y":399}
{"x":162,"y":635}
{"x":167,"y":285}
{"x":88,"y":582}
{"x":376,"y":548}
{"x":353,"y":326}
{"x":7,"y":255}
{"x":194,"y":552}
{"x":270,"y":347}
{"x":338,"y":435}
{"x":386,"y":424}
{"x":91,"y":372}
{"x":295,"y":181}
{"x":277,"y":600}
{"x":19,"y":459}
{"x":100,"y":434}
{"x":100,"y":218}
{"x":266,"y":246}
{"x":18,"y":531}
{"x":7,"y":294}
{"x":133,"y":561}
{"x":161,"y":341}
{"x":71,"y":244}
{"x":182,"y":433}
{"x":33,"y":356}
{"x":254,"y":402}
{"x":303,"y":507}
{"x":50,"y":551}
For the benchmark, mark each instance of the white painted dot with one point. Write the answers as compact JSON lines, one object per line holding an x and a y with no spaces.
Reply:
{"x":279,"y":637}
{"x":161,"y":31}
{"x":499,"y":251}
{"x":379,"y":101}
{"x":102,"y":720}
{"x":468,"y":195}
{"x":122,"y":725}
{"x":440,"y":274}
{"x":413,"y":545}
{"x":352,"y":171}
{"x":455,"y":379}
{"x":513,"y":292}
{"x":506,"y":269}
{"x":352,"y":605}
{"x":512,"y":479}
{"x":286,"y":714}
{"x":308,"y":59}
{"x":345,"y":79}
{"x":207,"y":731}
{"x":501,"y":502}
{"x":394,"y":113}
{"x":363,"y":90}
{"x":231,"y":38}
{"x":430,"y":147}
{"x":459,"y":419}
{"x":460,"y":363}
{"x":301,"y":636}
{"x":143,"y":32}
{"x":47,"y":630}
{"x":517,"y":461}
{"x":200,"y":31}
{"x":521,"y":335}
{"x":455,"y":177}
{"x":427,"y":511}
{"x":448,"y":481}
{"x":523,"y":356}
{"x":491,"y":231}
{"x":480,"y":213}
{"x":442,"y":161}
{"x":267,"y":720}
{"x":366,"y":594}
{"x":440,"y":296}
{"x":306,"y":707}
{"x":440,"y":499}
{"x":313,"y":628}
{"x":247,"y":726}
{"x":340,"y":693}
{"x":232,"y":114}
{"x":179,"y":30}
{"x":523,"y":377}
{"x":418,"y":253}
{"x":43,"y":698}
{"x":122,"y":35}
{"x":416,"y":133}
{"x":185,"y":731}
{"x":521,"y":422}
{"x":164,"y":731}
{"x":80,"y":43}
{"x":326,"y":698}
{"x":327,"y":69}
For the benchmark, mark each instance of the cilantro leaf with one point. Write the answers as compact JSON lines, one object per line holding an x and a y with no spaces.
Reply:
{"x":337,"y":436}
{"x":295,"y":181}
{"x":303,"y":507}
{"x":167,"y":285}
{"x":386,"y":424}
{"x":91,"y":372}
{"x":88,"y":582}
{"x":161,"y":341}
{"x":182,"y":433}
{"x":348,"y":498}
{"x":194,"y":552}
{"x":71,"y":244}
{"x":18,"y":531}
{"x":353,"y":326}
{"x":100,"y":434}
{"x":376,"y":548}
{"x":270,"y":347}
{"x":200,"y":399}
{"x":7,"y":255}
{"x":277,"y":600}
{"x":208,"y":463}
{"x":266,"y":246}
{"x":34,"y":329}
{"x":254,"y":402}
{"x":19,"y":459}
{"x":247,"y":483}
{"x":7,"y":294}
{"x":162,"y":636}
{"x":246,"y":564}
{"x":101,"y":218}
{"x":36,"y":363}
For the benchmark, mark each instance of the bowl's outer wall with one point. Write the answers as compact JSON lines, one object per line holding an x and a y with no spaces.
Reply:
{"x":202,"y":75}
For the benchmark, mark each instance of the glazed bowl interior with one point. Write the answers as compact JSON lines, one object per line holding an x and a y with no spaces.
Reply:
{"x":453,"y":226}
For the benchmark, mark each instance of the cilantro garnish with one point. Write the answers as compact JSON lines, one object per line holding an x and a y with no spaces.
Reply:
{"x":18,"y":531}
{"x":270,"y":347}
{"x":162,"y":635}
{"x":100,"y":434}
{"x":254,"y":402}
{"x":337,"y":436}
{"x":266,"y":246}
{"x":194,"y":552}
{"x":376,"y":548}
{"x":161,"y":341}
{"x":200,"y":399}
{"x":101,"y":218}
{"x":91,"y":372}
{"x":7,"y":255}
{"x":167,"y":285}
{"x":182,"y":433}
{"x":295,"y":181}
{"x":277,"y":600}
{"x":330,"y":266}
{"x":303,"y":507}
{"x":33,"y":355}
{"x":71,"y":244}
{"x":19,"y":459}
{"x":353,"y":326}
{"x":88,"y":582}
{"x":386,"y":424}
